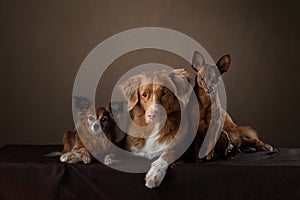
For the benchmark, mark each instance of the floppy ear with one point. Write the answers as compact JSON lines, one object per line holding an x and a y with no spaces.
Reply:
{"x":223,"y":63}
{"x":181,"y":79}
{"x":82,"y":104}
{"x":185,"y":74}
{"x":198,"y":61}
{"x":130,"y":90}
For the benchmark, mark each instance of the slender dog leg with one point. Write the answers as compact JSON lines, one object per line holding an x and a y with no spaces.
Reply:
{"x":249,"y":138}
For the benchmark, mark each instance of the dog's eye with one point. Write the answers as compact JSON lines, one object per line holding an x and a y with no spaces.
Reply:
{"x":202,"y":77}
{"x":91,"y":117}
{"x":144,"y":94}
{"x":103,"y":119}
{"x":163,"y":93}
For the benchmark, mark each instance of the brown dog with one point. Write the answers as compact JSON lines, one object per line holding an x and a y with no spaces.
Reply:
{"x":97,"y":128}
{"x":156,"y":110}
{"x":207,"y":80}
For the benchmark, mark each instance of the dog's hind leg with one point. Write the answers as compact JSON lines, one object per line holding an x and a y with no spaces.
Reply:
{"x":249,"y":138}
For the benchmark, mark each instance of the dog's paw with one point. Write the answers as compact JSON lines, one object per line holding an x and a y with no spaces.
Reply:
{"x":108,"y":160}
{"x":86,"y":158}
{"x":156,"y":173}
{"x":64,"y":157}
{"x":71,"y":157}
{"x":267,"y":147}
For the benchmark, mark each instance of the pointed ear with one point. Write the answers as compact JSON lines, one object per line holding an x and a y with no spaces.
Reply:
{"x":82,"y":104}
{"x":130,"y":90}
{"x":180,"y":81}
{"x":198,"y":61}
{"x":223,"y":63}
{"x":117,"y":107}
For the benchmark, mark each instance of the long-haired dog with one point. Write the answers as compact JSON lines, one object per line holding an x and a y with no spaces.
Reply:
{"x":155,"y":103}
{"x":206,"y":83}
{"x":97,"y":130}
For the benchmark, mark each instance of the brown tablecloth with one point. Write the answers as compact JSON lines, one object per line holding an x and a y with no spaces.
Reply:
{"x":25,"y":173}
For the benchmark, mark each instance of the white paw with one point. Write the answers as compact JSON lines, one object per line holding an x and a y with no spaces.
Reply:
{"x":86,"y":158}
{"x":71,"y":157}
{"x":156,"y":173}
{"x":107,"y":160}
{"x":268,"y":147}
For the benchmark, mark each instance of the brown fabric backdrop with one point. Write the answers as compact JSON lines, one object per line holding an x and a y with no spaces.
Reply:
{"x":44,"y":42}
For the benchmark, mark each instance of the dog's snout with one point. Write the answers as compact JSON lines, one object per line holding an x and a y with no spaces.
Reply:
{"x":152,"y":115}
{"x":210,"y":89}
{"x":96,"y":126}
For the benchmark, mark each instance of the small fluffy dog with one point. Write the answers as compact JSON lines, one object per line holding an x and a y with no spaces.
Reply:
{"x":97,"y":129}
{"x":156,"y":114}
{"x":206,"y":82}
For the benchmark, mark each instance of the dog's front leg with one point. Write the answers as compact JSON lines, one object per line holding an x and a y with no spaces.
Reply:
{"x":158,"y":170}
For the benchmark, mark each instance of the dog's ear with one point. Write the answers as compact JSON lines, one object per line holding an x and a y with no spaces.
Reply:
{"x":130,"y":90}
{"x":82,"y":104}
{"x":198,"y":61}
{"x":117,"y":107}
{"x":223,"y":64}
{"x":186,"y":75}
{"x":181,"y":79}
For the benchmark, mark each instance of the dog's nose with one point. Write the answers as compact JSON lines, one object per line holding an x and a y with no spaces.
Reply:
{"x":152,"y":115}
{"x":210,"y":89}
{"x":96,"y":126}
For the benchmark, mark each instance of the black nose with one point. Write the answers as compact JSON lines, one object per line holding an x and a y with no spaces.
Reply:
{"x":96,"y":126}
{"x":210,"y":89}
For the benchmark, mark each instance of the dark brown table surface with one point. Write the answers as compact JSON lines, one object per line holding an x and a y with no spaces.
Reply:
{"x":25,"y":173}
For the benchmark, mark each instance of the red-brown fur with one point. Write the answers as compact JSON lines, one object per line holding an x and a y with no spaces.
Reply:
{"x":139,"y":105}
{"x":142,"y":91}
{"x":238,"y":136}
{"x":100,"y":142}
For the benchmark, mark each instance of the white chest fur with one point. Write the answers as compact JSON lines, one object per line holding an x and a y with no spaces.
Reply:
{"x":152,"y":148}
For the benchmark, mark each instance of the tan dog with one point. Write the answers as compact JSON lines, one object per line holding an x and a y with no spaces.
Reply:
{"x":207,"y":80}
{"x":97,"y":129}
{"x":154,"y":107}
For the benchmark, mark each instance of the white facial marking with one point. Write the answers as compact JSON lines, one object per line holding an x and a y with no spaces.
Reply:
{"x":153,"y":114}
{"x":96,"y":131}
{"x":153,"y":94}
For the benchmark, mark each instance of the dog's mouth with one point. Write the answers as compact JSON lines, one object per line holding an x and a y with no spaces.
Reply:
{"x":96,"y":128}
{"x":152,"y":120}
{"x":152,"y":117}
{"x":155,"y":114}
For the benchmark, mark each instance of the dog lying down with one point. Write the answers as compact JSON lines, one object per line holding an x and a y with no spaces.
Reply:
{"x":156,"y":117}
{"x":96,"y":128}
{"x":232,"y":135}
{"x":156,"y":102}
